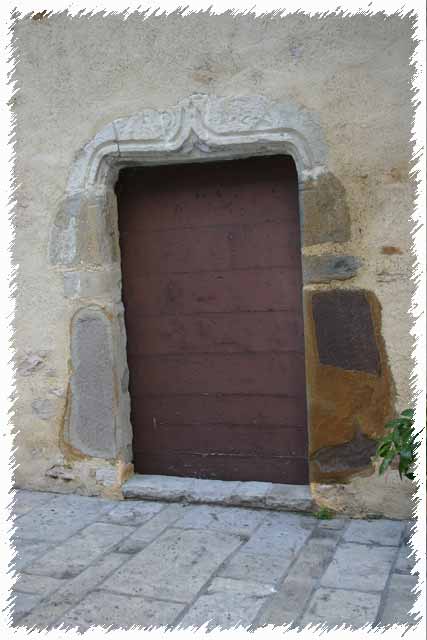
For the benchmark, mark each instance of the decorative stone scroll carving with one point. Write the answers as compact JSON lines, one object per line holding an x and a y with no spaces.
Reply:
{"x":198,"y":128}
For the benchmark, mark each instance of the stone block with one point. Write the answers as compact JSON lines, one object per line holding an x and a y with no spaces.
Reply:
{"x":350,"y":456}
{"x":280,"y":533}
{"x":232,"y":520}
{"x":360,"y":567}
{"x":24,"y":501}
{"x":22,"y":604}
{"x":27,"y":551}
{"x":212,"y":491}
{"x":73,"y":591}
{"x":325,"y":268}
{"x":61,"y":517}
{"x":399,"y":601}
{"x":331,"y":607}
{"x":325,"y":210}
{"x":38,"y":585}
{"x":153,"y":528}
{"x":92,"y":284}
{"x":314,"y":557}
{"x":287,"y":604}
{"x":405,"y":559}
{"x":91,"y":427}
{"x":294,"y":593}
{"x":63,"y":241}
{"x":244,"y":587}
{"x":151,"y":487}
{"x":114,"y":611}
{"x":383,"y":532}
{"x":224,"y":609}
{"x":158,"y":570}
{"x":290,"y":497}
{"x":257,"y":567}
{"x":251,"y":494}
{"x":73,"y":556}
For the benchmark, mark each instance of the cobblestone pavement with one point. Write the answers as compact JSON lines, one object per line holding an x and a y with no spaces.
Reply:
{"x":88,"y":561}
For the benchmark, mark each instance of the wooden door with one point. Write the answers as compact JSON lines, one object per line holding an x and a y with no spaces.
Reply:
{"x":212,"y":289}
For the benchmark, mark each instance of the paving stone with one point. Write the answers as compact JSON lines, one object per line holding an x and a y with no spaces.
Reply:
{"x":288,"y":604}
{"x":405,"y":559}
{"x":258,"y":567}
{"x":409,"y":531}
{"x":279,"y":533}
{"x":153,"y":528}
{"x":133,"y":513}
{"x":246,"y":587}
{"x":314,"y":558}
{"x":73,"y":591}
{"x":175,"y":566}
{"x":399,"y":601}
{"x":22,"y":604}
{"x":384,"y":532}
{"x":24,"y":501}
{"x":360,"y":567}
{"x":73,"y":556}
{"x":229,"y":519}
{"x":107,"y":609}
{"x":38,"y":585}
{"x":290,"y":496}
{"x":332,"y":607}
{"x":61,"y":518}
{"x":224,"y":609}
{"x":27,"y":551}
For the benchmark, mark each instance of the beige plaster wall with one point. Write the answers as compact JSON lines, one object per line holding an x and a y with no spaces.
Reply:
{"x":75,"y":75}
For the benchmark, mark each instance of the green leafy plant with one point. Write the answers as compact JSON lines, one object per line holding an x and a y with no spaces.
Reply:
{"x":324,"y":514}
{"x":399,"y":443}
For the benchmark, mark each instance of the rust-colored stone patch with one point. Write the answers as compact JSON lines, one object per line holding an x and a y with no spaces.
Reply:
{"x":390,"y":251}
{"x":347,"y":407}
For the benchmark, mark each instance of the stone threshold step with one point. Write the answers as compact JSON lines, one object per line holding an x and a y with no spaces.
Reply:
{"x":260,"y":495}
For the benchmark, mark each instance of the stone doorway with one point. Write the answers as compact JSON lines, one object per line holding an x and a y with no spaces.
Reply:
{"x":346,"y":404}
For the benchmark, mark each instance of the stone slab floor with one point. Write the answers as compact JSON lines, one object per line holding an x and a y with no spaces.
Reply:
{"x":86,"y":561}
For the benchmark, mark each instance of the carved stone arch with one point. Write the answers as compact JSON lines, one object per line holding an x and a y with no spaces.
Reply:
{"x":84,"y":237}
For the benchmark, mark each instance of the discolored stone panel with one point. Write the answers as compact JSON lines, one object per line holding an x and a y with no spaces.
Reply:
{"x":345,"y":331}
{"x":349,"y":456}
{"x":91,"y":427}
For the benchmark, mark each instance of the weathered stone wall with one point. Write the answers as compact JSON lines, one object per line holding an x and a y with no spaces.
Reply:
{"x":344,"y":84}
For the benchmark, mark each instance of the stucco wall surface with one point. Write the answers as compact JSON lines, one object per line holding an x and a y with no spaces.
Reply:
{"x":353,"y":75}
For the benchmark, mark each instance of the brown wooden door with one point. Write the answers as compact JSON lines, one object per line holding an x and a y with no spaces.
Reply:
{"x":213,"y":309}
